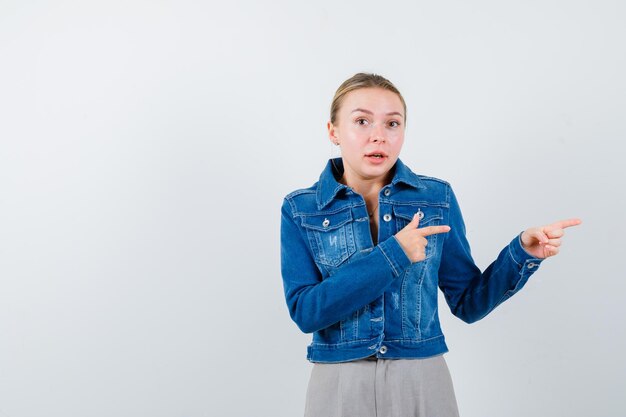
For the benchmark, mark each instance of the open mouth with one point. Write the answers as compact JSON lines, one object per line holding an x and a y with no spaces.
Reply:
{"x":376,"y":155}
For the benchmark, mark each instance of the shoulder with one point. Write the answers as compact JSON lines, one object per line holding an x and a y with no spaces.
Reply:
{"x":438,"y":187}
{"x":301,"y":199}
{"x":433,"y":181}
{"x":423,"y":183}
{"x":302,"y":192}
{"x":432,"y":186}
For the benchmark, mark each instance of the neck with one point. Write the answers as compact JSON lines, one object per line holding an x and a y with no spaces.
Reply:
{"x":368,"y":188}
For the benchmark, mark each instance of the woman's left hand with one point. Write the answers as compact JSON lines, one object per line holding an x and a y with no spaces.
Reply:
{"x":542,"y":242}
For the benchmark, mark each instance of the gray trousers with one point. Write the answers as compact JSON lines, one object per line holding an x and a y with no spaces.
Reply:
{"x":381,"y":388}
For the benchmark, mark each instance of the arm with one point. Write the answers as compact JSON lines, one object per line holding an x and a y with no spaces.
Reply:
{"x":315,"y":303}
{"x":471,"y":294}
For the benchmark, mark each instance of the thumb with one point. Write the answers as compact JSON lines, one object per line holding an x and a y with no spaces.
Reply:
{"x":538,"y":235}
{"x":414,"y":223}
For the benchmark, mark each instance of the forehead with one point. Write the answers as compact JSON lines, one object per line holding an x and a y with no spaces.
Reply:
{"x":376,"y":100}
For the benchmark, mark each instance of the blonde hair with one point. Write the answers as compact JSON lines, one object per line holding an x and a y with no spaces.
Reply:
{"x":362,"y":80}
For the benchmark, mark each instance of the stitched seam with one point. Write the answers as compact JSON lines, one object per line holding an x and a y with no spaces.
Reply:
{"x":300,"y":192}
{"x":415,"y":340}
{"x":389,"y":260}
{"x":427,"y":178}
{"x":403,"y":302}
{"x":512,"y":257}
{"x":348,"y":342}
{"x":291,"y":206}
{"x":328,"y":212}
{"x":421,"y":203}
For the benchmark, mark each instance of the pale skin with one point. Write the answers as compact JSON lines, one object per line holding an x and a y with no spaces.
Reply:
{"x":372,"y":120}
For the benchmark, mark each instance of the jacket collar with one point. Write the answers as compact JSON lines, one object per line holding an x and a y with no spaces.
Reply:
{"x":328,"y":186}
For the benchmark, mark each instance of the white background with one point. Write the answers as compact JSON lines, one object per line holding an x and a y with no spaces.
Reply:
{"x":146,"y":146}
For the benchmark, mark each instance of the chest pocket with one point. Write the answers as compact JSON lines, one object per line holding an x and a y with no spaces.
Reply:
{"x":331,"y":236}
{"x":431,"y":216}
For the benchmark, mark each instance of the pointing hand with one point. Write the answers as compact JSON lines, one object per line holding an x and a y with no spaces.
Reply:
{"x":542,"y":242}
{"x":413,"y":240}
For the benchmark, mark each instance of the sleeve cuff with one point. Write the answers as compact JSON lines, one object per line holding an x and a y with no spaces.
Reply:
{"x":521,"y":257}
{"x":393,"y":252}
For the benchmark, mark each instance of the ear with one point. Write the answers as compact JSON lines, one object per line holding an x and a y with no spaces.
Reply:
{"x":332,"y":133}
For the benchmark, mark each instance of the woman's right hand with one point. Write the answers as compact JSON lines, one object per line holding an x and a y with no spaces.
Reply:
{"x":413,"y":240}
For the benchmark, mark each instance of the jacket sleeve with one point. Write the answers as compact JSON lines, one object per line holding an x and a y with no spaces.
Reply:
{"x":470,"y":293}
{"x":315,"y":303}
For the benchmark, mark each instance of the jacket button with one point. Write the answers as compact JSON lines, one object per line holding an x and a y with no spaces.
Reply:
{"x":383,"y":350}
{"x":420,"y":214}
{"x":531,"y":265}
{"x":326,"y":222}
{"x":387,"y":217}
{"x":387,"y":192}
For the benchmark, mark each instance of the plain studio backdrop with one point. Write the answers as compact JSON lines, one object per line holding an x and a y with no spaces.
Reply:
{"x":146,"y":147}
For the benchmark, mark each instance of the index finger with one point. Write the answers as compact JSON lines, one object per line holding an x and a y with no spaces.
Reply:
{"x":566,"y":223}
{"x":433,"y":230}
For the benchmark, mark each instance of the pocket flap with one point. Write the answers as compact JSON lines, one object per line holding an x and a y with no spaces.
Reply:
{"x":326,"y":222}
{"x":406,"y":212}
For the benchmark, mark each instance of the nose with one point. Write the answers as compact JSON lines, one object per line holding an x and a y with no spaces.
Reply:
{"x":378,"y":134}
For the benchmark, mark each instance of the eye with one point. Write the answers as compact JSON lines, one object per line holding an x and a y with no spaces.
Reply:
{"x":361,"y":121}
{"x":394,"y":123}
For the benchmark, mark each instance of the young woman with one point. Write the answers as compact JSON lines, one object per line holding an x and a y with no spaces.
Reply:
{"x":363,"y":252}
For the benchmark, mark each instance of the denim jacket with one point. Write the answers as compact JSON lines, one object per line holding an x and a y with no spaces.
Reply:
{"x":360,"y":299}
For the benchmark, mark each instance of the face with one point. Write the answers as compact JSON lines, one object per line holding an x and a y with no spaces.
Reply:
{"x":370,"y":130}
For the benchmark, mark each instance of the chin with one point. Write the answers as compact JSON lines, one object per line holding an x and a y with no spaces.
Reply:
{"x":377,"y":170}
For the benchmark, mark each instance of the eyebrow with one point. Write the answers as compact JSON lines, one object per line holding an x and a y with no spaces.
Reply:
{"x":369,"y":112}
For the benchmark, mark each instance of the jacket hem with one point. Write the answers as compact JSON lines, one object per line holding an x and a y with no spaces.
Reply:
{"x":394,"y":349}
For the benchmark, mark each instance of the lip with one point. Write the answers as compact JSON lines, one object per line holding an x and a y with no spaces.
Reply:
{"x":383,"y":153}
{"x":375,"y":160}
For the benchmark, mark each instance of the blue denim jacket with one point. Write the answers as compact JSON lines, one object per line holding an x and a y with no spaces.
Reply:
{"x":360,"y":299}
